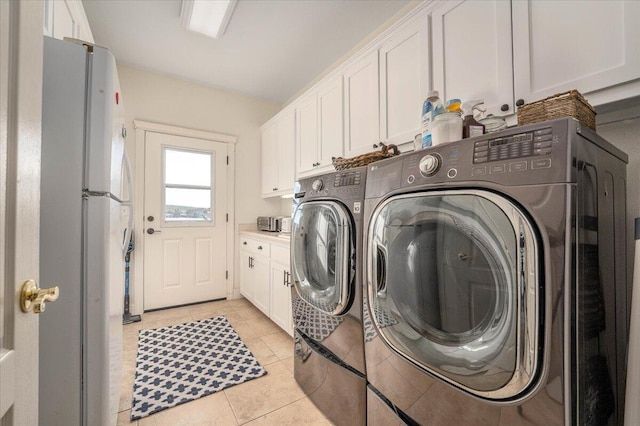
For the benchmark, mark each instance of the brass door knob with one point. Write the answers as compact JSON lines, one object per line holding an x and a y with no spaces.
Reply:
{"x":33,"y":299}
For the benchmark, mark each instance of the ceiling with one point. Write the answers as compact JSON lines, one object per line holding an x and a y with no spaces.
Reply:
{"x":271,"y":49}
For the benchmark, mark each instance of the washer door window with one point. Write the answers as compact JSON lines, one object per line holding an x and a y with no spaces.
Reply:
{"x":322,"y":246}
{"x":453,"y":285}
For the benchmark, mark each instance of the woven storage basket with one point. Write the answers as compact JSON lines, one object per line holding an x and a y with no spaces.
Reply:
{"x":568,"y":104}
{"x":387,"y":151}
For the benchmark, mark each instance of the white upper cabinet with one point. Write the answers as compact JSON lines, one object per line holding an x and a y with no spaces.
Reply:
{"x":66,"y":18}
{"x":286,"y":150}
{"x":330,"y":121}
{"x":563,"y":45}
{"x":512,"y":53}
{"x":472,"y":53}
{"x":361,"y":115}
{"x":320,"y":128}
{"x":278,"y":138}
{"x":269,"y":160}
{"x":307,"y":134}
{"x":404,"y":81}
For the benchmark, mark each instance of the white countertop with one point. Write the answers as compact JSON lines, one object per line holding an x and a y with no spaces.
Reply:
{"x":272,"y":237}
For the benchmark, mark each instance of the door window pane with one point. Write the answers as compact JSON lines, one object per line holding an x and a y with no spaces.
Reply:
{"x":187,"y":168}
{"x":188,"y":193}
{"x":187,"y":204}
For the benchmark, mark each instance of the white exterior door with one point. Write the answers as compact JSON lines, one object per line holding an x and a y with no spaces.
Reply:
{"x":185,"y":220}
{"x":20,"y":112}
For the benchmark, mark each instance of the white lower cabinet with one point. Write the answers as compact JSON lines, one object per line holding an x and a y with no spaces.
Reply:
{"x":254,"y":272}
{"x":265,"y":278}
{"x":281,"y":283}
{"x":260,"y":268}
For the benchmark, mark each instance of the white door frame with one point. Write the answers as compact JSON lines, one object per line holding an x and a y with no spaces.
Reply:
{"x":20,"y":142}
{"x":136,"y":287}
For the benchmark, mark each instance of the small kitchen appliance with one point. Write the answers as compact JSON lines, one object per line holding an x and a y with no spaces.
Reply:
{"x":284,"y":225}
{"x":267,"y":223}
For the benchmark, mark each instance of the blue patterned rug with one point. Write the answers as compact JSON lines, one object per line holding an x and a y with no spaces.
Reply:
{"x":180,"y":363}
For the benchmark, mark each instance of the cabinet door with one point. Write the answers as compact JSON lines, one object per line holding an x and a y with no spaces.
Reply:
{"x":362,"y":129}
{"x":64,"y":24}
{"x":66,"y":18}
{"x":285,"y":160}
{"x":472,"y":54}
{"x":247,"y":281}
{"x":404,"y":82}
{"x":262,"y":287}
{"x":270,"y":163}
{"x":595,"y":49}
{"x":281,"y":297}
{"x":330,"y":107}
{"x":307,"y":130}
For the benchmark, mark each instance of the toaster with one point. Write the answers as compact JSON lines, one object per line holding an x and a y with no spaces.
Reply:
{"x":268,"y":223}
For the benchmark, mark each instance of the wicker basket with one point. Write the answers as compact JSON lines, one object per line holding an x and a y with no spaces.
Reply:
{"x":387,"y":151}
{"x":568,"y":104}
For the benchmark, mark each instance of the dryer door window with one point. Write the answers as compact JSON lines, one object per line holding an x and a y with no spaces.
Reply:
{"x":453,"y":284}
{"x":322,"y":247}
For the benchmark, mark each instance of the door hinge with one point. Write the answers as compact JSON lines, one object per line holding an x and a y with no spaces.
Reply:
{"x":226,"y":275}
{"x":227,"y":160}
{"x":227,"y":217}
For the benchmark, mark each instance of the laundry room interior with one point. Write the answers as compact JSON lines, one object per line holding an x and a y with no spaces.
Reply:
{"x":322,"y":212}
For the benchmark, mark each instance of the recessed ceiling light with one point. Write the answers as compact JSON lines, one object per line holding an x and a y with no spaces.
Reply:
{"x":208,"y":17}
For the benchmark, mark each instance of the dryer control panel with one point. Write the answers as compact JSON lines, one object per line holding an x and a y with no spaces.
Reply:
{"x":536,"y":143}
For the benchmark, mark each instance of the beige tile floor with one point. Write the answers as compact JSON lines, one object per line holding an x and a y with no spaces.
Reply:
{"x":273,"y":399}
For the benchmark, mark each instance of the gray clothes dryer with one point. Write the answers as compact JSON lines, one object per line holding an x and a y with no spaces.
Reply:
{"x":326,"y":253}
{"x":497,"y":281}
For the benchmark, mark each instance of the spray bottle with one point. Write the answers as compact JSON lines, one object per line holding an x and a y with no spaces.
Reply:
{"x":431,"y":107}
{"x":470,"y":126}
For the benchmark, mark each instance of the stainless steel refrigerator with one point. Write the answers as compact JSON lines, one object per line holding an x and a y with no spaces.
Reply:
{"x":84,"y":231}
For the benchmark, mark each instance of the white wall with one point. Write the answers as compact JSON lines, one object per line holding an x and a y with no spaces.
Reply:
{"x":160,"y":99}
{"x":625,"y":134}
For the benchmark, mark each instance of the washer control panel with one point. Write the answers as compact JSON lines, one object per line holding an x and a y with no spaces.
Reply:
{"x":347,"y":178}
{"x":536,"y":143}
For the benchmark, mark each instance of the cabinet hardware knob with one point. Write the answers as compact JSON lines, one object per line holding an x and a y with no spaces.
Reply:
{"x":259,"y":247}
{"x":520,"y":102}
{"x":244,"y":243}
{"x":504,"y":107}
{"x":375,"y":146}
{"x":275,"y":189}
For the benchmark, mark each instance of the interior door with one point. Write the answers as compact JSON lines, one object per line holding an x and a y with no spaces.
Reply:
{"x":20,"y":112}
{"x":185,"y":214}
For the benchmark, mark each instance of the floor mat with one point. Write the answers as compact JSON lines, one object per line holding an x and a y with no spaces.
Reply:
{"x":180,"y":363}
